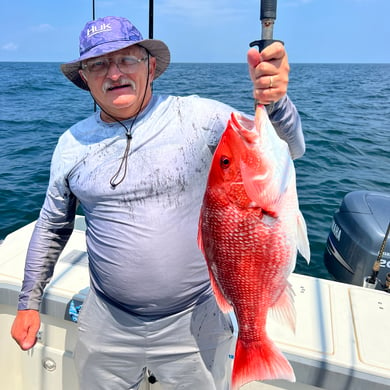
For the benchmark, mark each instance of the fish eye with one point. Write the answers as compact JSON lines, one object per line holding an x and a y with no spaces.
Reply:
{"x":224,"y":162}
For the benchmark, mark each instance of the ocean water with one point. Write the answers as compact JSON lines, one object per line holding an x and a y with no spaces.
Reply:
{"x":345,"y":111}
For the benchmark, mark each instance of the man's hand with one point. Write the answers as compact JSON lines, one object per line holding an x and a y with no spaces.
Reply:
{"x":25,"y":328}
{"x":269,"y":72}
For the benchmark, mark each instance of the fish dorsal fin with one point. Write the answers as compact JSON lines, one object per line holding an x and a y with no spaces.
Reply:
{"x":283,"y":311}
{"x":303,"y":245}
{"x":267,"y":181}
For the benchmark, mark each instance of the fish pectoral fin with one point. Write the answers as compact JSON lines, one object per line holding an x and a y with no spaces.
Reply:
{"x":283,"y":311}
{"x":303,"y":244}
{"x":261,"y":190}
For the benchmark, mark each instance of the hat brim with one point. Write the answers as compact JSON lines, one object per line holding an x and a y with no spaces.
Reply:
{"x":156,"y":48}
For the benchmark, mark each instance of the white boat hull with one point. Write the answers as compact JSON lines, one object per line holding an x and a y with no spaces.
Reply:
{"x":341,"y":339}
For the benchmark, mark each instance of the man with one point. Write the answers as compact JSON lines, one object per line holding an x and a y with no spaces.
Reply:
{"x":138,"y":168}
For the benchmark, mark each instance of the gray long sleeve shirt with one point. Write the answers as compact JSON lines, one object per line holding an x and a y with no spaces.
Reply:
{"x":142,"y":235}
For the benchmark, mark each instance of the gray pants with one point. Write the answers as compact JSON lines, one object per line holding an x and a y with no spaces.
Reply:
{"x":188,"y":350}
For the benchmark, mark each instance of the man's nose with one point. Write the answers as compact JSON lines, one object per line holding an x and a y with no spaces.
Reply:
{"x":113,"y":71}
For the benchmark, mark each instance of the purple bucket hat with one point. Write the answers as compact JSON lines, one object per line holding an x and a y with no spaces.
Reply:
{"x":109,"y":34}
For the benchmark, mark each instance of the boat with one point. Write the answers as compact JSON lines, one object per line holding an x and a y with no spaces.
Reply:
{"x":356,"y":251}
{"x":341,"y":339}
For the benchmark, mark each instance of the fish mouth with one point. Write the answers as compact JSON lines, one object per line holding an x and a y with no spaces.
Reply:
{"x":245,"y":128}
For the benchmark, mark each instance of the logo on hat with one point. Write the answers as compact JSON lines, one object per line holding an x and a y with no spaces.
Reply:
{"x":96,"y":30}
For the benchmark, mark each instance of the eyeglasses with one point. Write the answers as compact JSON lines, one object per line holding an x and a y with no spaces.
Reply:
{"x":100,"y":66}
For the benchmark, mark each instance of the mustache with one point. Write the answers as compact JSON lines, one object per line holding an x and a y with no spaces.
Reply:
{"x":109,"y":84}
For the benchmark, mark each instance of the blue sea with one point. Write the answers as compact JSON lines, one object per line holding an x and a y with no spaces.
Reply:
{"x":345,"y":111}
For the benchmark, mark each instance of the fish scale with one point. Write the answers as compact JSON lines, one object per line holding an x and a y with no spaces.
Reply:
{"x":250,"y":228}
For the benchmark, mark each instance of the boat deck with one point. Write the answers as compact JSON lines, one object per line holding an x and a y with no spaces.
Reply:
{"x":341,"y":339}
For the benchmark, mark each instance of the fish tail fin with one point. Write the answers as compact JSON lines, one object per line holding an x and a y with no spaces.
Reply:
{"x":283,"y":311}
{"x":259,"y":361}
{"x":302,"y":239}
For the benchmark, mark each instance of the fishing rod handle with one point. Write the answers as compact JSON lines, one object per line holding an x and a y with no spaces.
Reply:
{"x":263,"y":43}
{"x":268,"y":9}
{"x":267,"y":17}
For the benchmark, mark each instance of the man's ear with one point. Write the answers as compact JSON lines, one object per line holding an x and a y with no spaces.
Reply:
{"x":83,"y":76}
{"x":152,"y":67}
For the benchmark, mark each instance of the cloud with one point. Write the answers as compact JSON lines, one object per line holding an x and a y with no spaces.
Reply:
{"x":44,"y":27}
{"x":10,"y":46}
{"x":297,"y":3}
{"x":106,"y":4}
{"x":204,"y":8}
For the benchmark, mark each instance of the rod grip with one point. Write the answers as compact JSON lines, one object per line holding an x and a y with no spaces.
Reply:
{"x":268,"y":9}
{"x":263,"y":43}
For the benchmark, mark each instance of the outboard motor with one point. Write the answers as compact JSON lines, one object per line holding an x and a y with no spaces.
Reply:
{"x":357,"y":250}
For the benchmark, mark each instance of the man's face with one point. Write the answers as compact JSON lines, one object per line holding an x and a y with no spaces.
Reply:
{"x":118,"y":81}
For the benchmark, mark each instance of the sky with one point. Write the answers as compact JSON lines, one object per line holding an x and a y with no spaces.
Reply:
{"x":314,"y":31}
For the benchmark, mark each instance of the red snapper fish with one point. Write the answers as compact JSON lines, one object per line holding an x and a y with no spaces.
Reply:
{"x":250,"y":229}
